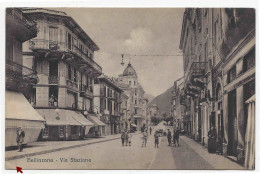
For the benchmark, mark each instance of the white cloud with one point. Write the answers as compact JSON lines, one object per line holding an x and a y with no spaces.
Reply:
{"x":139,"y":39}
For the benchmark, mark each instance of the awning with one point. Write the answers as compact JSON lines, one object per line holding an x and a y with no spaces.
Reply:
{"x":17,"y":107}
{"x":134,"y":125}
{"x":64,"y":117}
{"x":251,"y":99}
{"x":95,"y":120}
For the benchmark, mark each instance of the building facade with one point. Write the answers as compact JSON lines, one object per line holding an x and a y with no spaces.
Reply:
{"x":153,"y":111}
{"x":108,"y":99}
{"x":130,"y":78}
{"x":19,"y":80}
{"x":63,"y":56}
{"x":219,"y":74}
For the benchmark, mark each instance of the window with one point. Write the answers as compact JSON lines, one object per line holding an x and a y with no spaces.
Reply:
{"x":135,"y":101}
{"x":173,"y":102}
{"x":134,"y":82}
{"x":75,"y":41}
{"x":249,"y":60}
{"x":135,"y":111}
{"x":130,"y":82}
{"x":231,"y":74}
{"x":61,"y":35}
{"x":69,"y":41}
{"x":53,"y":34}
{"x":75,"y":75}
{"x":69,"y":72}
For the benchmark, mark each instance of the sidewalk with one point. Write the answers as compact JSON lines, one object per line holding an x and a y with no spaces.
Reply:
{"x":218,"y":161}
{"x":43,"y":147}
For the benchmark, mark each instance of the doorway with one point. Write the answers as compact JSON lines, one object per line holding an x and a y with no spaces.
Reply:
{"x":232,"y":126}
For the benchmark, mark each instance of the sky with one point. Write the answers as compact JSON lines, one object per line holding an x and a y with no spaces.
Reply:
{"x":136,"y":31}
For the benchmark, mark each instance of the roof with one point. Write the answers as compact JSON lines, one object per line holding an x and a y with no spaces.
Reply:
{"x":64,"y":117}
{"x":129,"y":71}
{"x":17,"y":107}
{"x":110,"y":81}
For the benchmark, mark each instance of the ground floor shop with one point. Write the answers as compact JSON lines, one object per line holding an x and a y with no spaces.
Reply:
{"x":63,"y":124}
{"x":20,"y":113}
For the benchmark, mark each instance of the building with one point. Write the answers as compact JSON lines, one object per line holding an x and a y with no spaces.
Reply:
{"x":153,"y":111}
{"x":63,"y":56}
{"x":108,"y":100}
{"x":19,"y":80}
{"x":177,"y":109}
{"x":219,"y":74}
{"x":124,"y":110}
{"x":130,"y":78}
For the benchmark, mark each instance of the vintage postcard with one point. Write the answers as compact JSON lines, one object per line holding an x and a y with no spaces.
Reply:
{"x":130,"y":88}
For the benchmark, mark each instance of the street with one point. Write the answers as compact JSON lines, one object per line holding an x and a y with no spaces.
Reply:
{"x":112,"y":155}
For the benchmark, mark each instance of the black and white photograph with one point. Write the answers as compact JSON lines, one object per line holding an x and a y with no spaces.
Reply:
{"x":129,"y":88}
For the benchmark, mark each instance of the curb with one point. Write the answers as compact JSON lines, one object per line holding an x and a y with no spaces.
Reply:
{"x":58,"y":149}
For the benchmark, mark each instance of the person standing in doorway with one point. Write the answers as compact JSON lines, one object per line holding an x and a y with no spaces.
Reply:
{"x":123,"y":138}
{"x":169,"y":137}
{"x":20,"y":139}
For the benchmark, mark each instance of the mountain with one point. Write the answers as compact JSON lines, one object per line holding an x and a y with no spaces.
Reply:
{"x":149,"y":97}
{"x":163,"y":101}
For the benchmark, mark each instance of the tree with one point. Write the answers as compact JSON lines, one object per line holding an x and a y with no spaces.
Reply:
{"x":155,"y":120}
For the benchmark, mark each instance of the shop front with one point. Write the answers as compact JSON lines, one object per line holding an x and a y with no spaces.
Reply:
{"x":98,"y":128}
{"x":20,"y":113}
{"x":63,"y":124}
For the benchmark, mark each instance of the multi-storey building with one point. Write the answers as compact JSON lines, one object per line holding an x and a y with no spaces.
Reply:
{"x":124,"y":111}
{"x":63,"y":55}
{"x":177,"y":109}
{"x":153,"y":111}
{"x":130,"y":77}
{"x":19,"y":80}
{"x":219,"y":65}
{"x":108,"y":100}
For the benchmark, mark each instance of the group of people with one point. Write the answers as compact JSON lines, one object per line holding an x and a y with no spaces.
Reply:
{"x":126,"y":138}
{"x":174,"y":138}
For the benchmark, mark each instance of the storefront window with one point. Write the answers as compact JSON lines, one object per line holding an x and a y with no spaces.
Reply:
{"x":73,"y":129}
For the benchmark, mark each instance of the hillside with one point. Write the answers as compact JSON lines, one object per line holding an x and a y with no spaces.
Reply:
{"x":163,"y":101}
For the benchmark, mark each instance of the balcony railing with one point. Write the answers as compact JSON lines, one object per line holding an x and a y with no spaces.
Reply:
{"x":72,"y":84}
{"x":195,"y":70}
{"x":55,"y":45}
{"x":84,"y":90}
{"x":18,"y":73}
{"x":53,"y":79}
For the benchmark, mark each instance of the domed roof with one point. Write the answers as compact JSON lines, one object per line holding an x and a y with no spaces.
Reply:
{"x":129,"y":71}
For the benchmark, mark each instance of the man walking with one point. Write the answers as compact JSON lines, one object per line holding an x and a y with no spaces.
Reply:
{"x":126,"y":138}
{"x":20,"y":138}
{"x":169,"y":137}
{"x":156,"y":139}
{"x":176,"y":137}
{"x":123,"y":138}
{"x":145,"y":136}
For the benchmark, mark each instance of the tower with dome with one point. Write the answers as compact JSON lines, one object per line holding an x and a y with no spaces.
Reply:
{"x":135,"y":92}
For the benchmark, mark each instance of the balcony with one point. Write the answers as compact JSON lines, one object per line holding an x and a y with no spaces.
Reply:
{"x":53,"y":79}
{"x":76,"y":50}
{"x":72,"y":84}
{"x":85,"y":91}
{"x":20,"y":25}
{"x":61,"y":48}
{"x":18,"y":76}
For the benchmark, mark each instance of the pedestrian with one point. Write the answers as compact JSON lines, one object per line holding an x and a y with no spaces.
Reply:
{"x":126,"y":138}
{"x":145,"y":136}
{"x":20,"y":139}
{"x":169,"y":137}
{"x":156,"y":139}
{"x":212,"y":144}
{"x":150,"y":130}
{"x":123,"y":138}
{"x":176,"y":137}
{"x":129,"y":138}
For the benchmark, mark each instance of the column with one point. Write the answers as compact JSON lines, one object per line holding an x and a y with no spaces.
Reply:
{"x":225,"y":122}
{"x":240,"y":126}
